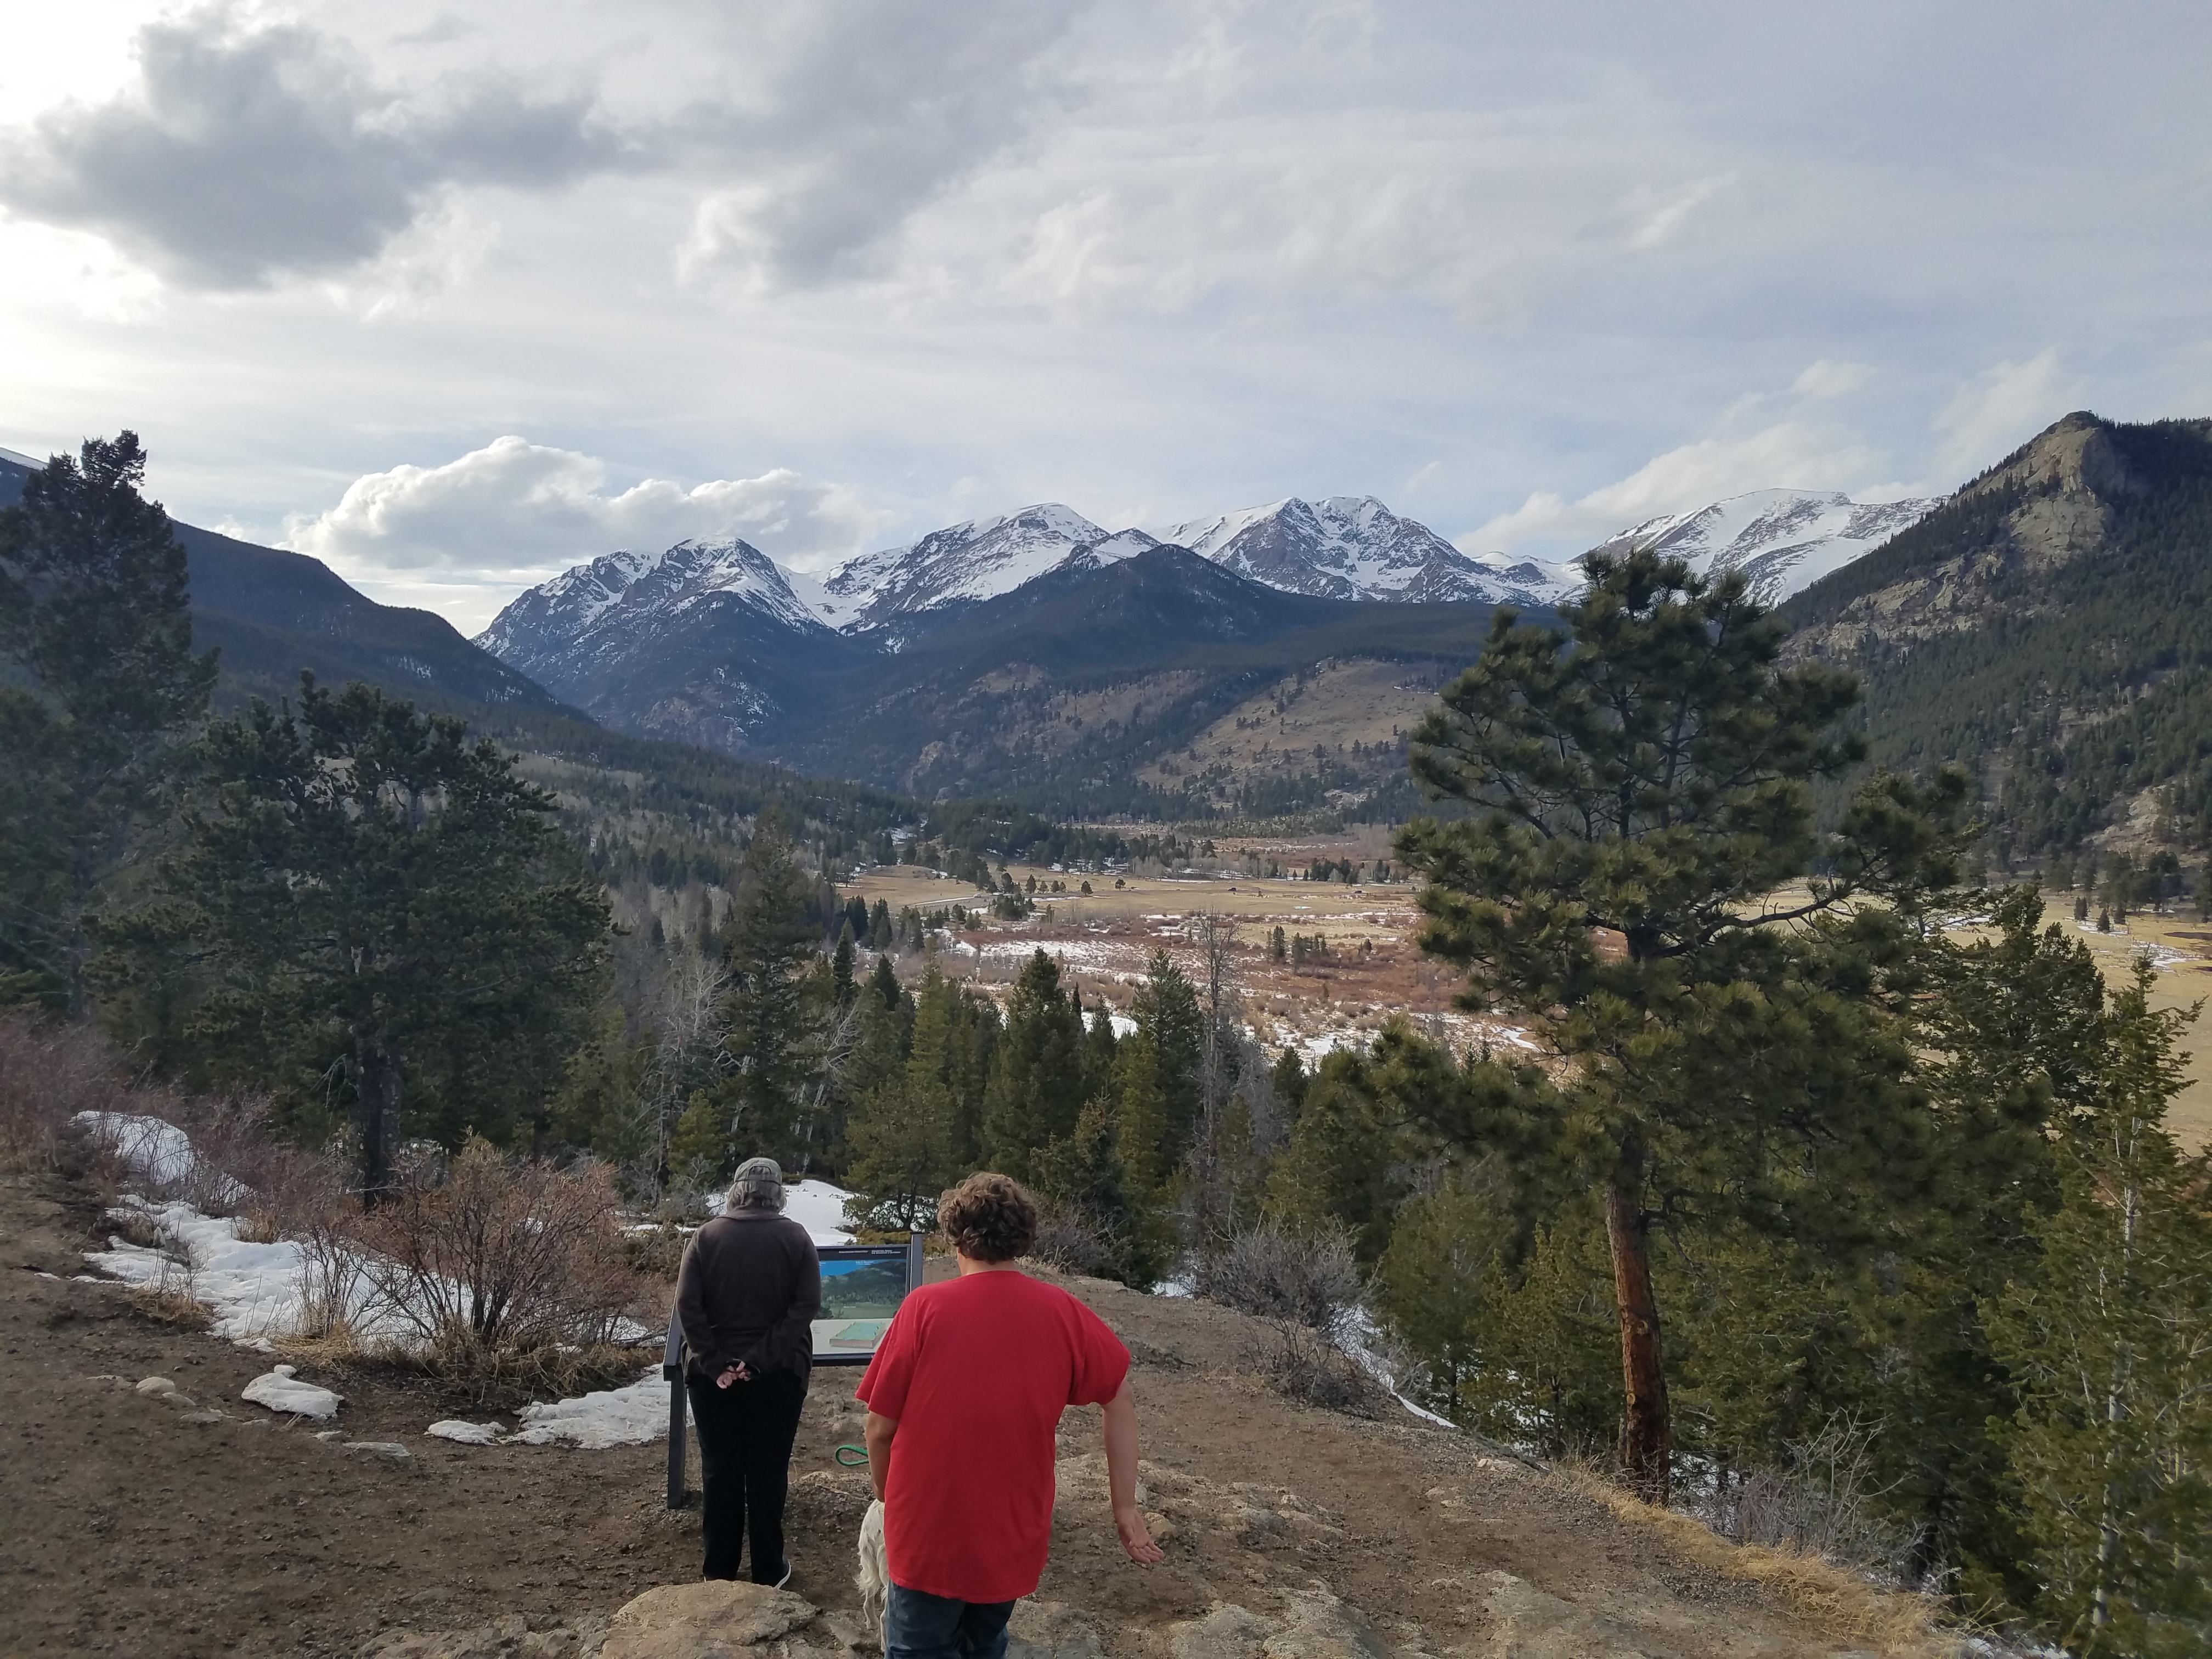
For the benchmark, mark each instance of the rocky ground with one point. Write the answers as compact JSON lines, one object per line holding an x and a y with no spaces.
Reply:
{"x":189,"y":1522}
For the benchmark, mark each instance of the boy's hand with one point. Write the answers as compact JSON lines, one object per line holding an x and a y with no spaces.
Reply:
{"x":1137,"y":1542}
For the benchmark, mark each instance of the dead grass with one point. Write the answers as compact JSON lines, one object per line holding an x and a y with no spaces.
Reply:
{"x":1841,"y":1602}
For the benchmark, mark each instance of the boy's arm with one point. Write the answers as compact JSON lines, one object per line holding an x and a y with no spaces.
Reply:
{"x":1121,"y":1476}
{"x":876,"y":1431}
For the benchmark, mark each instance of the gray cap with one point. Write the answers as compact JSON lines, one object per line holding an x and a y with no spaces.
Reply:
{"x":757,"y":1185}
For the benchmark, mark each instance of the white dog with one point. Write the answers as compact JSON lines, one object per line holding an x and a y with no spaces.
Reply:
{"x":875,"y":1575}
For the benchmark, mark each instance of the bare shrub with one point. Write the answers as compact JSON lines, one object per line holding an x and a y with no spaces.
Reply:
{"x":655,"y":1252}
{"x":503,"y":1255}
{"x":49,"y":1072}
{"x":1069,"y":1241}
{"x":1307,"y":1279}
{"x":1824,"y":1504}
{"x":1299,"y":1363}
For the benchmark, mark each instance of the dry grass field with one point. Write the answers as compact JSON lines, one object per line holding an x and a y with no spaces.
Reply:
{"x":1104,"y":940}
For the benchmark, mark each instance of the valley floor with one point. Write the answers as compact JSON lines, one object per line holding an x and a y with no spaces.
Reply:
{"x":127,"y":1527}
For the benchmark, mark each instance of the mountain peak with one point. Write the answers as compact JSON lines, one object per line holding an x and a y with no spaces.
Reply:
{"x":1782,"y":539}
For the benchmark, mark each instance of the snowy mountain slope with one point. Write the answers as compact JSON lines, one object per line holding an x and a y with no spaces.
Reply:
{"x":595,"y":606}
{"x":1784,"y":540}
{"x":965,"y":563}
{"x":1353,"y":546}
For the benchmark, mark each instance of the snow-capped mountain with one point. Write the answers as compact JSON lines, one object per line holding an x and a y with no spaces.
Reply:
{"x":965,"y":563}
{"x":553,"y":630}
{"x":1353,"y":546}
{"x":1782,"y":539}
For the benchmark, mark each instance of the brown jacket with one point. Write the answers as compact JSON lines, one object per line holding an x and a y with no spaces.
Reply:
{"x":748,"y":1292}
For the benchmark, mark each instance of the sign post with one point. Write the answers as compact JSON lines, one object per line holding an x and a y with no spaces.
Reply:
{"x":862,"y":1286}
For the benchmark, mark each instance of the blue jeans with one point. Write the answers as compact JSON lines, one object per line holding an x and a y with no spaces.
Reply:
{"x":919,"y":1625}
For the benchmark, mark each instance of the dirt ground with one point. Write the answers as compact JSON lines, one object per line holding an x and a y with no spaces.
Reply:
{"x":127,"y":1528}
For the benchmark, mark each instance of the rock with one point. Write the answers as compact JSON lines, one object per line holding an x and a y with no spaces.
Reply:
{"x":152,"y":1385}
{"x":714,"y":1618}
{"x":1527,"y":1623}
{"x":1321,"y":1626}
{"x":330,"y":1436}
{"x":1228,"y":1632}
{"x":178,"y":1398}
{"x":201,"y":1417}
{"x":1052,"y":1629}
{"x":389,"y":1449}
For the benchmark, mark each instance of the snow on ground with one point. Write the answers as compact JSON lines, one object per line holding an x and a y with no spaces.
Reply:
{"x":253,"y":1290}
{"x":817,"y":1205}
{"x":156,"y":1152}
{"x":604,"y":1418}
{"x":281,"y":1391}
{"x":820,"y":1208}
{"x":465,"y":1434}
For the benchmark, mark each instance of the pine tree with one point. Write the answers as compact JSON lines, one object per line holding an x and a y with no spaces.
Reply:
{"x":1082,"y":1175}
{"x":1166,"y":1009}
{"x":1140,"y":1114}
{"x":2112,"y":1342}
{"x":841,"y":989}
{"x":770,"y":940}
{"x":99,"y":695}
{"x":1036,"y":1087}
{"x":1638,"y":787}
{"x":1100,"y":1048}
{"x":363,"y":892}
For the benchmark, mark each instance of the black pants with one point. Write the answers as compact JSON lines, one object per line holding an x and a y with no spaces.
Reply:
{"x":745,"y":1432}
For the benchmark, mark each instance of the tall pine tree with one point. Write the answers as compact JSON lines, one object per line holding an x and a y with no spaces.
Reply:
{"x":1639,"y":791}
{"x":103,"y":696}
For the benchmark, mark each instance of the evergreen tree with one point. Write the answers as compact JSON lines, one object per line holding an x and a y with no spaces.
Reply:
{"x":1289,"y":1081}
{"x":1638,"y":787}
{"x":2112,"y":1346}
{"x":842,"y":990}
{"x":1036,"y":1087}
{"x":362,"y":891}
{"x":1166,"y":1009}
{"x":770,"y":938}
{"x":1346,"y":1165}
{"x":900,"y":1137}
{"x":883,"y":982}
{"x":879,"y":926}
{"x":1100,"y":1048}
{"x":1140,"y":1113}
{"x":99,"y":695}
{"x":1082,"y":1175}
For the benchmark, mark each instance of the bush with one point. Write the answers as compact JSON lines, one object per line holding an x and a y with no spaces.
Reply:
{"x":1299,"y":1363}
{"x":1069,"y":1241}
{"x":1305,"y":1279}
{"x":49,"y":1072}
{"x":502,"y":1256}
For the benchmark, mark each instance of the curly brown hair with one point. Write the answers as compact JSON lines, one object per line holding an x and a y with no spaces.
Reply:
{"x":988,"y":1218}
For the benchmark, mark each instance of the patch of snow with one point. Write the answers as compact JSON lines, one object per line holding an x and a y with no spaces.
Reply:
{"x":281,"y":1391}
{"x":253,"y":1290}
{"x":606,"y":1417}
{"x":820,"y":1207}
{"x":1122,"y":1024}
{"x":153,"y":1151}
{"x":465,"y":1434}
{"x":1356,"y":1332}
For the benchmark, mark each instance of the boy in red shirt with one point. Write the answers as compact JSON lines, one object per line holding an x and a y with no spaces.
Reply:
{"x":964,"y":1397}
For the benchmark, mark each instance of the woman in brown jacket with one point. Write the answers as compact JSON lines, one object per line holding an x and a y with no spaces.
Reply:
{"x":746,"y":1295}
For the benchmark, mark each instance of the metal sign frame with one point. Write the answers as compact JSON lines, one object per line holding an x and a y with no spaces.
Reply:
{"x":671,"y":1359}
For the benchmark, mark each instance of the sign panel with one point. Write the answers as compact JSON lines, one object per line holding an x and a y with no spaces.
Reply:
{"x":862,"y":1286}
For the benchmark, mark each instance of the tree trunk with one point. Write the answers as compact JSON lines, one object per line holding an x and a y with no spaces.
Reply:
{"x":1646,"y":1434}
{"x":377,"y":1076}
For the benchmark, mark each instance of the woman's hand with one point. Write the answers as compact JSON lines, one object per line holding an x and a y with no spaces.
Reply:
{"x":737,"y":1373}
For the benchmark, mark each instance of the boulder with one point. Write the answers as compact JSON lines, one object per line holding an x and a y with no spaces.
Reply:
{"x":712,"y":1618}
{"x":152,"y":1385}
{"x":1227,"y":1631}
{"x":1321,"y":1626}
{"x":1051,"y":1630}
{"x":1527,"y":1623}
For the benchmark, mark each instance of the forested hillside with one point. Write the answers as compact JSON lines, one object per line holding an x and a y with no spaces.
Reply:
{"x":2052,"y":626}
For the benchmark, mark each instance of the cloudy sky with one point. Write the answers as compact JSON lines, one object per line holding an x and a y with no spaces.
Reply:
{"x":454,"y":296}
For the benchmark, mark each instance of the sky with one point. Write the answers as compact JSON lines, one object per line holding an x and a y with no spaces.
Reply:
{"x":456,"y":297}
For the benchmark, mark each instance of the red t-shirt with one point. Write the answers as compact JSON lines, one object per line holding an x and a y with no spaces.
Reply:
{"x":976,"y":1371}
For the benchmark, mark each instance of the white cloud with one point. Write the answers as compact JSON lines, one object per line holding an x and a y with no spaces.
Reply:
{"x":471,"y":532}
{"x":245,"y":153}
{"x":1789,"y":455}
{"x":1998,"y":410}
{"x":1655,"y":214}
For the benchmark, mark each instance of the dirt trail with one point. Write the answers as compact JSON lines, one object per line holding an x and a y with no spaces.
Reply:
{"x":127,"y":1527}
